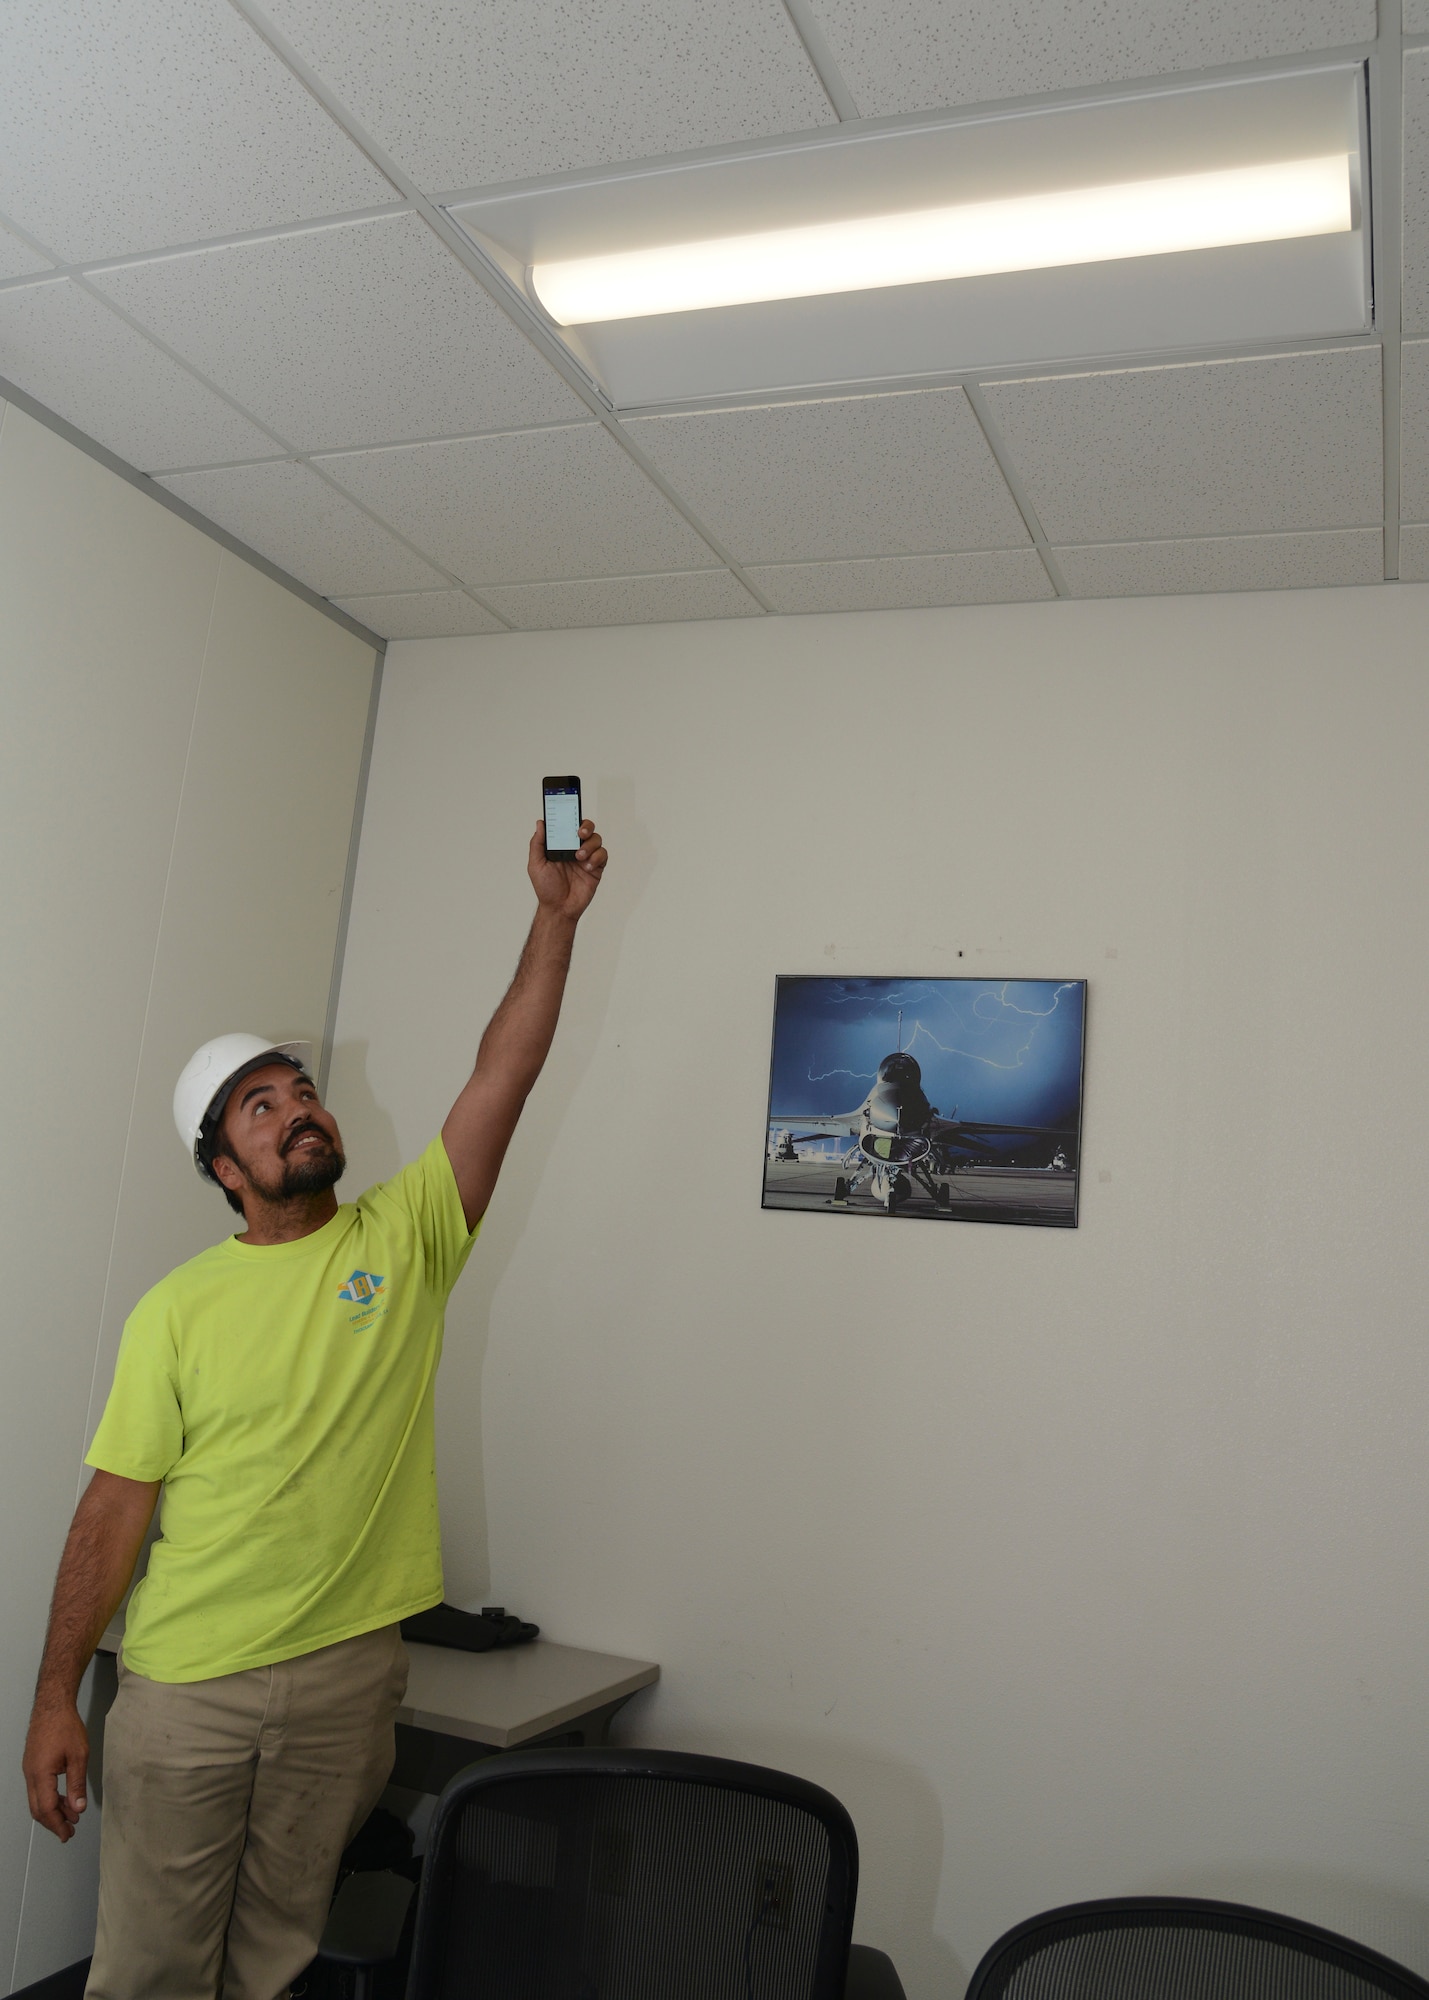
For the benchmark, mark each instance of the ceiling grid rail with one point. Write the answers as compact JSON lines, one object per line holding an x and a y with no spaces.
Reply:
{"x":232,"y":241}
{"x":492,"y":279}
{"x":816,"y":48}
{"x":997,"y":445}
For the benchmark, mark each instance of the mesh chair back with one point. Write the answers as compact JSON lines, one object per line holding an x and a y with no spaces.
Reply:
{"x":1183,"y":1948}
{"x":634,"y":1875}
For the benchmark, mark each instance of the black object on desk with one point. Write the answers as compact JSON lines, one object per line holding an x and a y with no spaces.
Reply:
{"x":481,"y":1631}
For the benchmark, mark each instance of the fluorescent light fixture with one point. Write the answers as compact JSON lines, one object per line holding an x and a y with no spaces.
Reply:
{"x":1091,"y":225}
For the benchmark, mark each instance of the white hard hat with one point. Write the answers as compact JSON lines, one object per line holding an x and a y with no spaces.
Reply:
{"x":210,"y":1074}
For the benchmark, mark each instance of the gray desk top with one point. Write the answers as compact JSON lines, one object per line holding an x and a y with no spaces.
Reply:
{"x":506,"y":1697}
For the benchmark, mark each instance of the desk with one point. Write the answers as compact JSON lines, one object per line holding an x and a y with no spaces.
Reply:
{"x":461,"y":1706}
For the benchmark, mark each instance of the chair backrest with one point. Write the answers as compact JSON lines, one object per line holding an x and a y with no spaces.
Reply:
{"x":1183,"y":1948}
{"x":634,"y":1875}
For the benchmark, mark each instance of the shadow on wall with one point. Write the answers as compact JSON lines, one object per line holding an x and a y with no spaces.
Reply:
{"x":897,"y":1816}
{"x":597,"y":954}
{"x":465,"y":1552}
{"x":517,"y":1199}
{"x":1387,"y":1921}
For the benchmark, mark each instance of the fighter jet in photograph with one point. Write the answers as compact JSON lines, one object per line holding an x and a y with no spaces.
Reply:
{"x":902,"y":1143}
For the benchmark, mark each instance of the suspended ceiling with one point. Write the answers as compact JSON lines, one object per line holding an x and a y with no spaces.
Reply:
{"x":253,"y":252}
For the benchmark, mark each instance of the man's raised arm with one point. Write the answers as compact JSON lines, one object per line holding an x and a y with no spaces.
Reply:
{"x":480,"y":1124}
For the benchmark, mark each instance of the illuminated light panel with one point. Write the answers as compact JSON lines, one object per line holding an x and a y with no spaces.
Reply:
{"x":1093,"y":225}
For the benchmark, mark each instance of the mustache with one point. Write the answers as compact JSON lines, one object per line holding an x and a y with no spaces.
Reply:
{"x":301,"y":1132}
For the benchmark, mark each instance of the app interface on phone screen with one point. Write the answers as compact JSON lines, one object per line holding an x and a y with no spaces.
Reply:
{"x":563,"y":819}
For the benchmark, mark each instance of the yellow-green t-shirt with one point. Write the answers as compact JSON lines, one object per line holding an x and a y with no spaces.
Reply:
{"x":284,"y":1395}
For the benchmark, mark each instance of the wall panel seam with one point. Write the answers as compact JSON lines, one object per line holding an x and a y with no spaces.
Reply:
{"x":359,"y":803}
{"x":223,"y":556}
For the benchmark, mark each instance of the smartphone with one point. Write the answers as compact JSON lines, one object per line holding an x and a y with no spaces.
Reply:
{"x":561,"y":799}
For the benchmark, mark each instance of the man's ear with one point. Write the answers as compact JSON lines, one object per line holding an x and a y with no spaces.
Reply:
{"x":228,"y":1173}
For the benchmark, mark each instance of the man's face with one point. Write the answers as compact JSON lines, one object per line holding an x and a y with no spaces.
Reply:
{"x":282,"y":1141}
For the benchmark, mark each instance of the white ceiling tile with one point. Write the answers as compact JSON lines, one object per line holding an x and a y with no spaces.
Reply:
{"x":526,"y":507}
{"x":924,"y":54}
{"x":17,"y":259}
{"x":127,"y":128}
{"x":422,"y":614}
{"x":463,"y":94}
{"x":288,"y":514}
{"x":1414,"y":430}
{"x":80,"y":360}
{"x":1225,"y":562}
{"x":624,"y":600}
{"x":853,"y":476}
{"x":1414,"y":303}
{"x":1416,"y":17}
{"x":1414,"y":553}
{"x":1218,"y":447}
{"x":895,"y":583}
{"x":362,"y":333}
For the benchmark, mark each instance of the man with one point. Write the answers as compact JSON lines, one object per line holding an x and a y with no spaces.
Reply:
{"x":279,"y":1390}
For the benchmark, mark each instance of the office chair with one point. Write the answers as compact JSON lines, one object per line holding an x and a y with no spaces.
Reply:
{"x":1182,"y":1948}
{"x":626,"y":1875}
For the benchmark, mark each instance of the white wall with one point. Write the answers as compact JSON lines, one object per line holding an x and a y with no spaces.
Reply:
{"x":1078,"y":1564}
{"x":180,"y":741}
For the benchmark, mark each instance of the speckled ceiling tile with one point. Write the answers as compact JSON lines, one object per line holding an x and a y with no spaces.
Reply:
{"x":624,"y":600}
{"x":532,"y":506}
{"x":422,"y":614}
{"x":1226,"y":562}
{"x":926,"y":53}
{"x":17,"y":260}
{"x":1416,"y":17}
{"x":893,"y":583}
{"x":128,"y":128}
{"x":288,"y":514}
{"x":1275,"y":443}
{"x":465,"y":94}
{"x":1414,"y":299}
{"x":80,"y":360}
{"x":362,"y":333}
{"x":850,"y":476}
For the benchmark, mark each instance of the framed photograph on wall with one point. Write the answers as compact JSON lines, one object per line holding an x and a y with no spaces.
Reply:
{"x":942,"y":1100}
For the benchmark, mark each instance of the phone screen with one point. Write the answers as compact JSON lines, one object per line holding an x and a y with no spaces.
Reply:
{"x":563,"y":819}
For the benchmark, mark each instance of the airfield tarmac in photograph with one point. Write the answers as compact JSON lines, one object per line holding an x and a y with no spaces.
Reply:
{"x":977,"y":1194}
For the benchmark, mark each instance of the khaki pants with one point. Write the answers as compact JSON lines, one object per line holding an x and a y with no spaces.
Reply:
{"x":227,"y":1804}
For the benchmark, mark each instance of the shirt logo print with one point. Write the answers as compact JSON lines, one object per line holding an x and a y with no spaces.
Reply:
{"x":361,"y":1287}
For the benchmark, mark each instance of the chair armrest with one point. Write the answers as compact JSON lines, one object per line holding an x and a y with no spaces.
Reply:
{"x":364,"y":1925}
{"x":871,"y":1975}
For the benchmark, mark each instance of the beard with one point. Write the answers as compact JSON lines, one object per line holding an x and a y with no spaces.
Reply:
{"x":313,"y":1171}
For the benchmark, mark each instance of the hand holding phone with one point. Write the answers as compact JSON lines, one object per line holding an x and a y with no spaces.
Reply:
{"x":561,"y":806}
